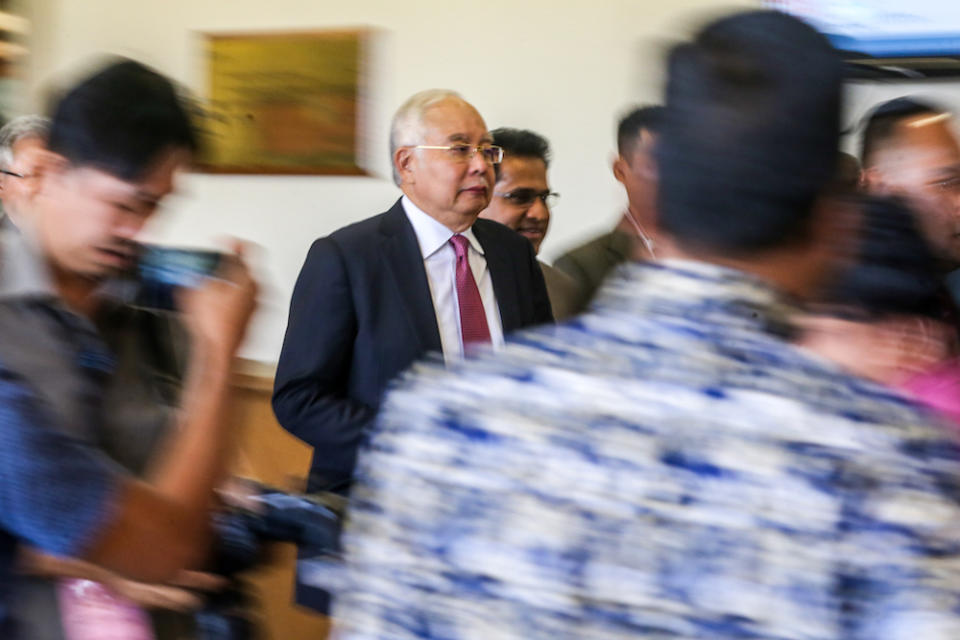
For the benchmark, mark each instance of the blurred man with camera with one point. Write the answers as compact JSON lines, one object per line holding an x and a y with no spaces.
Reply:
{"x":116,"y":142}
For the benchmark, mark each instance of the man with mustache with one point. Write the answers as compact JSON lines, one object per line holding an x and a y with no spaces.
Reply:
{"x":426,"y":276}
{"x":522,"y":199}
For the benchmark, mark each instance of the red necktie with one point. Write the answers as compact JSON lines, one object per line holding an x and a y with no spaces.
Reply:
{"x":473,"y":318}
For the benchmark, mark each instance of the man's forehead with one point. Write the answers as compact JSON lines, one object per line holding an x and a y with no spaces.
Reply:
{"x":521,"y":169}
{"x":151,"y":189}
{"x":28,"y":144}
{"x":931,"y":132}
{"x":30,"y":141}
{"x":454,"y":120}
{"x":920,"y":145}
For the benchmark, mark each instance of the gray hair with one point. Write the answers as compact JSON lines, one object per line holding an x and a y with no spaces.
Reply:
{"x":407,"y":126}
{"x":30,"y":126}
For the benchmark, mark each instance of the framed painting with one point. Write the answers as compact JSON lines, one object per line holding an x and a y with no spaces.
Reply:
{"x":284,"y":102}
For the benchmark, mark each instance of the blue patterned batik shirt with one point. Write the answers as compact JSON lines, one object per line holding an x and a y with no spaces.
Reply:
{"x":664,"y":466}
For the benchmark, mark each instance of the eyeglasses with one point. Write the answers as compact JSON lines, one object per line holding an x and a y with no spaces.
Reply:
{"x":465,"y":152}
{"x":526,"y":197}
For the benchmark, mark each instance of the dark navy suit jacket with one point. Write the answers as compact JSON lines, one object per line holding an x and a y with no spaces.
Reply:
{"x":361,"y":313}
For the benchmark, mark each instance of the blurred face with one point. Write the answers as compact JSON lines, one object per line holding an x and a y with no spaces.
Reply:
{"x":86,"y":220}
{"x":923,"y":165}
{"x":448,"y":187}
{"x":638,"y":174}
{"x":16,"y":191}
{"x":518,"y":198}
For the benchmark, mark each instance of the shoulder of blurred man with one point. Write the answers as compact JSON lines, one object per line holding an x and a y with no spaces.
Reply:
{"x":56,"y":350}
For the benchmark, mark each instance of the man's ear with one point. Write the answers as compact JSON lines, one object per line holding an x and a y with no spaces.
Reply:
{"x":403,"y":160}
{"x":619,"y":168}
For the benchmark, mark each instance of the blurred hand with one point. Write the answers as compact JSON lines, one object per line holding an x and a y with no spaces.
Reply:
{"x":180,"y":595}
{"x":155,"y":596}
{"x":218,"y":311}
{"x":200,"y":581}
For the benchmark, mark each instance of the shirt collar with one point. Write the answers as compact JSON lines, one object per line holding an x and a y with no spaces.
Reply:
{"x":23,"y":271}
{"x":431,"y":234}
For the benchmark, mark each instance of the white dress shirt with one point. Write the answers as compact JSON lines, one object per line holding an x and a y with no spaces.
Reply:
{"x":440,"y":262}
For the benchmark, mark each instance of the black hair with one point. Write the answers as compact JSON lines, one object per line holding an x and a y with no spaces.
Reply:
{"x":893,"y":271}
{"x":120,"y":119}
{"x":880,"y":125}
{"x":633,"y":123}
{"x":751,"y":133}
{"x":521,"y":143}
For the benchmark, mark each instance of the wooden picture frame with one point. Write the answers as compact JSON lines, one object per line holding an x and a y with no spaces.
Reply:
{"x":286,"y":102}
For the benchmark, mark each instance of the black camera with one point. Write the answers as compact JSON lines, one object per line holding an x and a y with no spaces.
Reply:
{"x":312,"y":521}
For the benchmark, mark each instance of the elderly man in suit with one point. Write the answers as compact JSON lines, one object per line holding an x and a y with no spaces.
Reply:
{"x":426,"y":276}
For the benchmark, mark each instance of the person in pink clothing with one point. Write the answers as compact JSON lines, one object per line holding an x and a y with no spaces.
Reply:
{"x":939,"y":389}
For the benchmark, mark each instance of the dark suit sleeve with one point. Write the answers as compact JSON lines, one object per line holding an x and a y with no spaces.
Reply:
{"x":309,"y":394}
{"x":542,"y":311}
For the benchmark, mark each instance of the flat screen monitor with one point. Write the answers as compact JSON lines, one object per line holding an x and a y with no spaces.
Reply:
{"x":898,"y":34}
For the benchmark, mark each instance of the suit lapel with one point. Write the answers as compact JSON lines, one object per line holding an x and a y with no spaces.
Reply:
{"x":401,"y":253}
{"x":501,"y":274}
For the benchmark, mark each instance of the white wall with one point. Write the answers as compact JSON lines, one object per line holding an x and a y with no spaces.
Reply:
{"x":565,"y":68}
